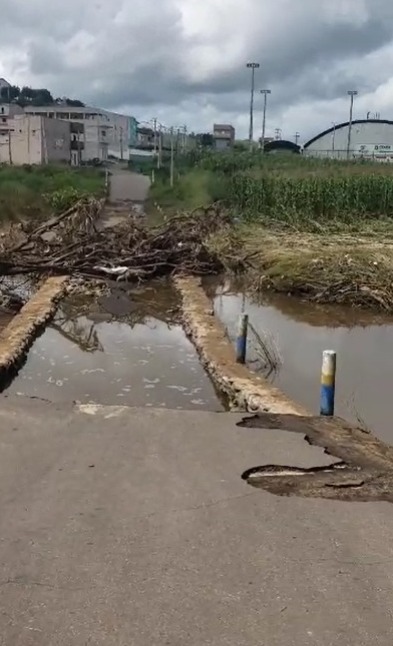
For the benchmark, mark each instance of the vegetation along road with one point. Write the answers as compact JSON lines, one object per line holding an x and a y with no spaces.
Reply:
{"x":319,"y":229}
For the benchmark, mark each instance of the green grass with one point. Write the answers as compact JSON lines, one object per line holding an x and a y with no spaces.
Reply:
{"x":38,"y":191}
{"x":191,"y":190}
{"x":282,"y":190}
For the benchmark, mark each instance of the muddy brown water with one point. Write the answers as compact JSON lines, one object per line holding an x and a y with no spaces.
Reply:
{"x":300,"y":331}
{"x":127,"y":348}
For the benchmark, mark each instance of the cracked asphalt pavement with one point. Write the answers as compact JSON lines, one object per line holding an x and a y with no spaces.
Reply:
{"x":133,"y":527}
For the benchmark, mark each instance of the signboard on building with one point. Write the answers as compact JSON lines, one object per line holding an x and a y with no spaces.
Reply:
{"x":374,"y":151}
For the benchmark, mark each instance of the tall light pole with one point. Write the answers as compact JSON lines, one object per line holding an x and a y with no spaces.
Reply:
{"x":297,"y":137}
{"x":352,"y":94}
{"x":252,"y":67}
{"x":265,"y":93}
{"x":334,"y":136}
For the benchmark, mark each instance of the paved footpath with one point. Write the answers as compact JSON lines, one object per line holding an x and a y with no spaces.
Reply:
{"x":125,"y":185}
{"x":129,"y":527}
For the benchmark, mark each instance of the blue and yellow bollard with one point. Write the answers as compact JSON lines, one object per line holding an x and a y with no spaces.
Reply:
{"x":241,"y":339}
{"x":328,"y":383}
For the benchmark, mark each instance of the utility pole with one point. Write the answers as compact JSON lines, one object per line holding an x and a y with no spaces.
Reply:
{"x":334,"y":136}
{"x":352,"y":94}
{"x":172,"y":171}
{"x":252,"y":67}
{"x":185,"y":139}
{"x":121,"y":144}
{"x":159,"y":156}
{"x":297,"y":137}
{"x":278,"y":133}
{"x":265,"y":93}
{"x":155,"y":135}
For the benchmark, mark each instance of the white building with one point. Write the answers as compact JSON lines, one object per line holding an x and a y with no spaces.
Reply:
{"x":105,"y":133}
{"x":369,"y":139}
{"x":27,"y":139}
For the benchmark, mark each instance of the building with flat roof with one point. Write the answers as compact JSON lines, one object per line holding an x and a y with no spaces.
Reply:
{"x":106,"y":134}
{"x":224,"y":136}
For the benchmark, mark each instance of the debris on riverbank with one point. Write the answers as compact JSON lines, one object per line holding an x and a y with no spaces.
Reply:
{"x":75,"y":244}
{"x":349,"y":268}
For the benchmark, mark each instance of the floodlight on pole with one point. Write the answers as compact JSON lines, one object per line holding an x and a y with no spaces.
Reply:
{"x":252,"y":67}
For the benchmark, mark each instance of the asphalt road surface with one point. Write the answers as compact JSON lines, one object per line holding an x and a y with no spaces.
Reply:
{"x":132,"y":527}
{"x":125,"y":185}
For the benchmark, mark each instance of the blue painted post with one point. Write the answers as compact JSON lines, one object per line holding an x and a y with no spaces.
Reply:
{"x":241,"y":339}
{"x":328,"y":383}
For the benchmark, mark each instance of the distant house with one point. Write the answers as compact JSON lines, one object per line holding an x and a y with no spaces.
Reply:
{"x":224,"y":136}
{"x":145,"y":138}
{"x":4,"y":83}
{"x":105,"y":133}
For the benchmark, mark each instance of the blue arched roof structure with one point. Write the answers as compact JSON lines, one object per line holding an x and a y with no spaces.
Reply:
{"x":338,"y":126}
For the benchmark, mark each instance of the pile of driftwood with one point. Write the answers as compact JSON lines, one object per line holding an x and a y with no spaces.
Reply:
{"x":78,"y":243}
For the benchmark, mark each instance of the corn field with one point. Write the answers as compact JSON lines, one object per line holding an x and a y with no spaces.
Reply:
{"x":319,"y":198}
{"x":289,"y":189}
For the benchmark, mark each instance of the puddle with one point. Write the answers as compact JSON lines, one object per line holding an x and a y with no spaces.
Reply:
{"x":123,"y":349}
{"x":300,"y":332}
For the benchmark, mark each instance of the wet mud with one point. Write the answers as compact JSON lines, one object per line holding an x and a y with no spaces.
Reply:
{"x":364,"y":471}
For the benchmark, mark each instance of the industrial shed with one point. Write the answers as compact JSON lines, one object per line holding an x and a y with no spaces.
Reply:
{"x":370,"y":139}
{"x":281,"y":146}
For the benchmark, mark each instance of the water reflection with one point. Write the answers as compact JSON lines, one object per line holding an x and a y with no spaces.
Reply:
{"x":141,"y":358}
{"x":301,"y":331}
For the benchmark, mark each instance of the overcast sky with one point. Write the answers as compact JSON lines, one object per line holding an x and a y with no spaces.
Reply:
{"x":184,"y":60}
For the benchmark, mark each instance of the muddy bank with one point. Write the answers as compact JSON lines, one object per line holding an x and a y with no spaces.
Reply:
{"x":245,"y":390}
{"x":350,"y":268}
{"x":363,"y":474}
{"x":16,"y":337}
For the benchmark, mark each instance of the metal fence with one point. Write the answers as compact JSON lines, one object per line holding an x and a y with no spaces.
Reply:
{"x":354,"y":155}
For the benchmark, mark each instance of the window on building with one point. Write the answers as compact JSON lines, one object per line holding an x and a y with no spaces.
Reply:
{"x":4,"y":120}
{"x":2,"y":110}
{"x":103,"y":133}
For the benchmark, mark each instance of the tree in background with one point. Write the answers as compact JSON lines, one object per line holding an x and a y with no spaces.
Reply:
{"x":34,"y":96}
{"x":205,"y":140}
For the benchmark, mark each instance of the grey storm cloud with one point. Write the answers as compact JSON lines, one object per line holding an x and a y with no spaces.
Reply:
{"x":186,"y":58}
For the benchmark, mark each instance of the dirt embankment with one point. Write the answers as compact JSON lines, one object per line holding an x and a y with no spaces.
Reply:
{"x":16,"y":338}
{"x":348,"y":268}
{"x":244,"y":389}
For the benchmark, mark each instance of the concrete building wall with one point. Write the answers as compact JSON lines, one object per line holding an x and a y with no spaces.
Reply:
{"x":56,"y":140}
{"x":369,"y":139}
{"x":35,"y":140}
{"x":106,"y":133}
